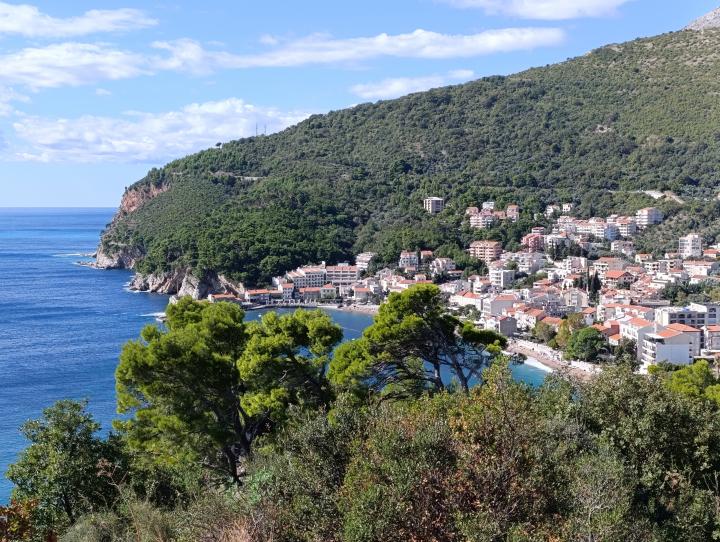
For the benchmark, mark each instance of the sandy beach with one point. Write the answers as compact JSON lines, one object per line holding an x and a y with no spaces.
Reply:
{"x":532,"y":362}
{"x":549,"y":363}
{"x":362,"y":309}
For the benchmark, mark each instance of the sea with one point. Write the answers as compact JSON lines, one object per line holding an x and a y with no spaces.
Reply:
{"x":62,"y":325}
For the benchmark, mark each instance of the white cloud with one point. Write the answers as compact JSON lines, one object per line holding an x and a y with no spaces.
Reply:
{"x":185,"y":55}
{"x":29,"y":21}
{"x":7,"y":97}
{"x":145,"y":137}
{"x":75,"y":63}
{"x":102,"y":92}
{"x":189,"y":55}
{"x":69,"y":64}
{"x":399,"y":86}
{"x":543,"y":9}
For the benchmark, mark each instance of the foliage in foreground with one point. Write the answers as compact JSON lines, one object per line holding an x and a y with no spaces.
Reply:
{"x":622,"y":457}
{"x":204,"y":390}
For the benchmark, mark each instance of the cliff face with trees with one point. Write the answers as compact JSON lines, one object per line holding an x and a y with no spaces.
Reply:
{"x":634,"y":116}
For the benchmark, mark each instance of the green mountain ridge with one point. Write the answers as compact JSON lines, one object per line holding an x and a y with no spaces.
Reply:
{"x":626,"y":117}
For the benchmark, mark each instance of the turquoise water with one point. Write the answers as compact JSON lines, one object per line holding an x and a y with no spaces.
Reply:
{"x":62,"y":325}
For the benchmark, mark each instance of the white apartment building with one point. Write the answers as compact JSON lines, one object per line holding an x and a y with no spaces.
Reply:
{"x":555,"y":240}
{"x":636,"y":329}
{"x":648,"y":216}
{"x":308,"y":277}
{"x":712,"y":338}
{"x":603,"y":230}
{"x":550,"y":210}
{"x":496,"y":305}
{"x":488,"y":205}
{"x":434,"y":205}
{"x":618,"y":311}
{"x":483,"y":220}
{"x":595,"y":226}
{"x":695,"y":314}
{"x":342,"y":274}
{"x":527,"y":262}
{"x":694,"y":336}
{"x":575,"y":264}
{"x":690,"y":246}
{"x":362,"y":261}
{"x":574,"y":297}
{"x":500,"y":277}
{"x":465,"y":299}
{"x":627,"y":227}
{"x":408,"y":259}
{"x":442,"y":265}
{"x":668,"y":345}
{"x":653,"y":267}
{"x":701,"y":268}
{"x":505,"y":325}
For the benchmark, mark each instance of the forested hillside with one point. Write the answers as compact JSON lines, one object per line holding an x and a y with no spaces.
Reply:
{"x":640,"y":115}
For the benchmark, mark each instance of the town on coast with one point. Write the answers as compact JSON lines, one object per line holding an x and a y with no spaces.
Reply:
{"x":582,"y":273}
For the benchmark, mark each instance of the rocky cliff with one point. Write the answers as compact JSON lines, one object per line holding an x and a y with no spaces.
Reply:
{"x":710,"y":20}
{"x":123,"y":256}
{"x":117,"y":257}
{"x":137,"y":196}
{"x":183,"y":283}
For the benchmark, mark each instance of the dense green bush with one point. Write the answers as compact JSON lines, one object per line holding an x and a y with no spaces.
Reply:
{"x":622,"y":456}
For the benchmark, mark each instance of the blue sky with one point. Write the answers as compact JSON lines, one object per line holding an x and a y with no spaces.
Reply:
{"x":93,"y":94}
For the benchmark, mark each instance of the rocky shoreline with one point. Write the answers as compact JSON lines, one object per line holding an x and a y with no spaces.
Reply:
{"x":182,"y":282}
{"x":179,"y":282}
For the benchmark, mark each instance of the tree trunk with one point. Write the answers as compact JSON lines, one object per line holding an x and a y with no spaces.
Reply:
{"x":68,"y":508}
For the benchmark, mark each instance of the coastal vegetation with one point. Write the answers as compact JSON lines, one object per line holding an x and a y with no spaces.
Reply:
{"x":620,"y":120}
{"x":363,"y":443}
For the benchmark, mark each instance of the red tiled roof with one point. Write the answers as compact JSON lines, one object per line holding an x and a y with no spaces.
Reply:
{"x":683,"y":328}
{"x":639,"y":322}
{"x":551,"y":320}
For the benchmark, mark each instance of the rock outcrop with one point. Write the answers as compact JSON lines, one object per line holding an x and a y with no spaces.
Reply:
{"x":710,"y":20}
{"x":114,"y":256}
{"x":124,"y":257}
{"x":136,"y":197}
{"x":182,"y":282}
